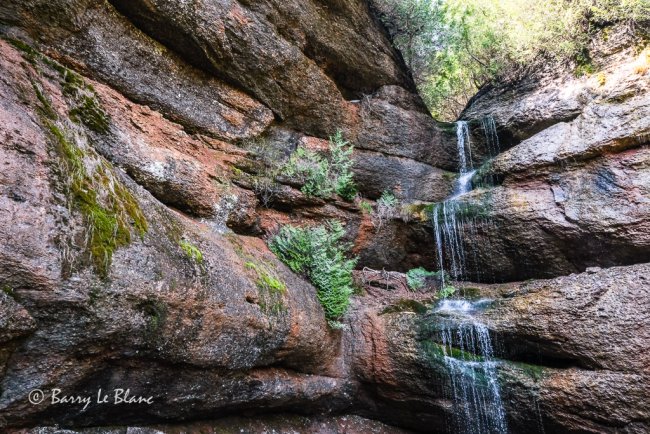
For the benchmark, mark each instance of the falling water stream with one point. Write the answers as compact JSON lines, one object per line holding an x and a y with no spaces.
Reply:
{"x":448,"y":231}
{"x":469,"y":358}
{"x":467,"y":348}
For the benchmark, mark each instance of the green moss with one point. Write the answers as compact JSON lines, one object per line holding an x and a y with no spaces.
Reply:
{"x":9,"y":291}
{"x":436,"y":351}
{"x":46,"y":109}
{"x":462,"y":211}
{"x":535,"y":372}
{"x":448,"y":127}
{"x":107,"y":216}
{"x":87,"y":109}
{"x":29,"y":53}
{"x":406,"y":305}
{"x":418,"y":211}
{"x":91,"y":115}
{"x":191,"y":251}
{"x":450,"y":176}
{"x":584,"y":64}
{"x":470,"y":293}
{"x":155,"y":313}
{"x":270,"y":288}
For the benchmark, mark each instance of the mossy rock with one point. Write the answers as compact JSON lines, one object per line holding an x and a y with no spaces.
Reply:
{"x":108,"y":208}
{"x":406,"y":305}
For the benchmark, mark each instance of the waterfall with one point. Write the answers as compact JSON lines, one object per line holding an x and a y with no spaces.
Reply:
{"x":464,"y":147}
{"x":469,"y":358}
{"x":452,"y":218}
{"x":491,"y":136}
{"x":448,"y":230}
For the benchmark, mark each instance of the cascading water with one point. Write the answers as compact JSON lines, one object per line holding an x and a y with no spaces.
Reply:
{"x":448,"y":232}
{"x":466,"y":346}
{"x":464,"y":146}
{"x":469,"y":358}
{"x":491,"y":136}
{"x":448,"y":227}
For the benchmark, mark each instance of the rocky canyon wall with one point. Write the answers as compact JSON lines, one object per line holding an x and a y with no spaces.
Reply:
{"x":132,"y":249}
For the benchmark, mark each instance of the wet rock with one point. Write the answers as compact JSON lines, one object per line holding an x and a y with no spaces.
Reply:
{"x":561,"y":367}
{"x":595,"y":213}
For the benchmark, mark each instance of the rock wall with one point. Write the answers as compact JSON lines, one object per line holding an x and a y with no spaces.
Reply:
{"x":131,"y":250}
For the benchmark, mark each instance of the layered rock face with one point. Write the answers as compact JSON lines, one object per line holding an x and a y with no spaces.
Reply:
{"x":574,"y":193}
{"x":131,"y":250}
{"x":571,"y":354}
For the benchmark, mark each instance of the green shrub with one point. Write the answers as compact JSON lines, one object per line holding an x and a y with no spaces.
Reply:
{"x":416,"y":277}
{"x":365,"y":207}
{"x":388,"y":199}
{"x":323,"y":176}
{"x":312,"y":170}
{"x":341,"y":167}
{"x":319,"y":254}
{"x":388,"y":207}
{"x":447,"y":291}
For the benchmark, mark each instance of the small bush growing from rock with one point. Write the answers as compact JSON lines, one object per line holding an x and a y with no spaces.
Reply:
{"x":447,"y":291}
{"x":319,"y":254}
{"x":341,"y":167}
{"x":323,"y":176}
{"x":416,"y":278}
{"x":365,"y":207}
{"x":387,"y":207}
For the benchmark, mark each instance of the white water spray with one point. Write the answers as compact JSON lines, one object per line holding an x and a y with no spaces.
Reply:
{"x":469,"y":358}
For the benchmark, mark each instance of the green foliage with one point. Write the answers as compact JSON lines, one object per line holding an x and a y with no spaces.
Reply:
{"x":446,"y":291}
{"x":107,"y":206}
{"x":9,"y":291}
{"x":323,"y":176}
{"x":454,"y":47}
{"x":341,"y":167}
{"x":320,"y":255}
{"x":365,"y":207}
{"x":388,"y":199}
{"x":416,"y":277}
{"x":312,"y":170}
{"x":388,"y":206}
{"x":191,"y":251}
{"x":406,"y":305}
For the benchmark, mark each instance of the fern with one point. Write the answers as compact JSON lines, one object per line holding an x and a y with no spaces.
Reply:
{"x":320,"y":176}
{"x":416,"y":277}
{"x":320,"y":254}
